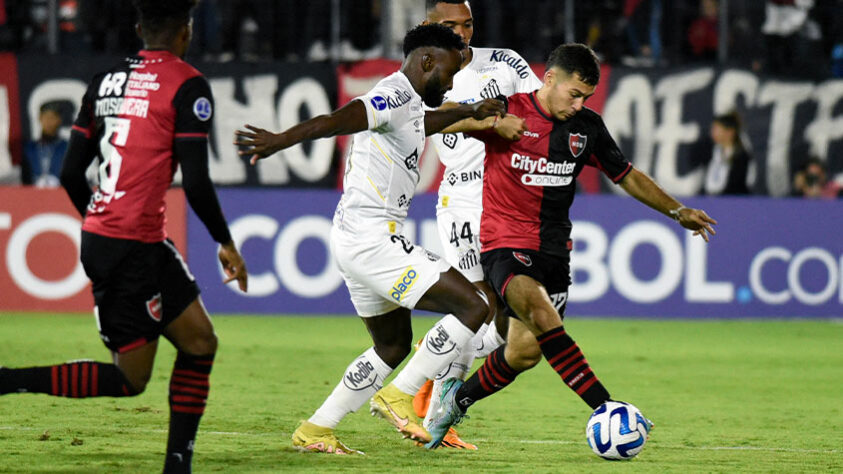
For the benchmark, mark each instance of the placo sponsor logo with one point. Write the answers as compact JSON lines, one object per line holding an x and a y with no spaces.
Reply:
{"x":403,"y":284}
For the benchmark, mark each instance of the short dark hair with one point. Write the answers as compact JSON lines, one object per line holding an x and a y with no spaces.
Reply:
{"x":51,"y":106}
{"x":163,"y":16}
{"x":432,"y":35}
{"x":730,"y":120}
{"x":431,"y":4}
{"x":576,"y":58}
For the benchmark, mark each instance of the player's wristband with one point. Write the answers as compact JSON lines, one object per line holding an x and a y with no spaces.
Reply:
{"x":674,"y":213}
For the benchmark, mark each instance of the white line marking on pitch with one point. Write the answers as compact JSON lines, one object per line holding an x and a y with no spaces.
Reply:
{"x":701,"y":448}
{"x":522,"y":441}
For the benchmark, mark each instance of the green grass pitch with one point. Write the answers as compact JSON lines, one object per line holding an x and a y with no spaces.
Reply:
{"x":726,"y":396}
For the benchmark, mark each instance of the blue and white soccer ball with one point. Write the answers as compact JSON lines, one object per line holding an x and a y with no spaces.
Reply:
{"x":617,"y":430}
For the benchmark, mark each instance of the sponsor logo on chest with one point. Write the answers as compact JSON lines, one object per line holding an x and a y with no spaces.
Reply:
{"x":393,"y":101}
{"x":464,"y":176}
{"x":518,"y":64}
{"x":491,"y":90}
{"x":543,"y":172}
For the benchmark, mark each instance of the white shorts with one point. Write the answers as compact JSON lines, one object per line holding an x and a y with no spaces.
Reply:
{"x":459,"y":232}
{"x":384,"y":271}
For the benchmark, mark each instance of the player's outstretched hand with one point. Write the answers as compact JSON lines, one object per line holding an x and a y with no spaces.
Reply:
{"x":511,"y":127}
{"x":487,"y":108}
{"x":257,"y":142}
{"x":698,"y":221}
{"x":233,"y":265}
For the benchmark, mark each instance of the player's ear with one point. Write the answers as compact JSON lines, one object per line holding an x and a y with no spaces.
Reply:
{"x":549,"y":76}
{"x":139,"y":30}
{"x":427,"y":62}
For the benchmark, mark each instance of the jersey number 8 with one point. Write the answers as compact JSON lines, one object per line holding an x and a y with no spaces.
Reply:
{"x":116,"y":134}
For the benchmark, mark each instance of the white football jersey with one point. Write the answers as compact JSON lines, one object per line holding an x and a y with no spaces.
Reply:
{"x":382,"y":165}
{"x":491,"y":72}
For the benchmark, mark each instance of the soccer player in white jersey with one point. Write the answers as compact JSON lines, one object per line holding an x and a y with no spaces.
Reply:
{"x":485,"y":73}
{"x":386,"y":274}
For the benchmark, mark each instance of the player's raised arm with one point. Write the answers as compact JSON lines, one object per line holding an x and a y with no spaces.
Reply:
{"x":642,"y":187}
{"x":435,"y":121}
{"x":260,"y":143}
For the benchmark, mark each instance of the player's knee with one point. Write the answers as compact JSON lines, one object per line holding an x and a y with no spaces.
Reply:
{"x":531,"y":357}
{"x":201,"y":344}
{"x":393,"y":353}
{"x":476,"y":311}
{"x":135,"y":384}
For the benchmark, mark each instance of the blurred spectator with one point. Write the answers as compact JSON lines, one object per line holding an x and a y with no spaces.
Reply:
{"x":15,"y":26}
{"x":109,"y":26}
{"x":42,"y":158}
{"x":792,"y":38}
{"x":206,"y":31}
{"x":359,"y":28}
{"x":703,"y":31}
{"x":643,"y":20}
{"x":248,"y":31}
{"x":835,"y":28}
{"x":812,"y":181}
{"x":731,"y":170}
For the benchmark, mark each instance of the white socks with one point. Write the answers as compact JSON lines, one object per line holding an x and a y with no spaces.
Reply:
{"x":481,"y":345}
{"x":489,"y":341}
{"x":440,"y":346}
{"x":361,"y":380}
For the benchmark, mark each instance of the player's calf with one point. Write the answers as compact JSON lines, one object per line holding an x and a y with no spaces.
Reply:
{"x":189,"y":386}
{"x":566,"y":358}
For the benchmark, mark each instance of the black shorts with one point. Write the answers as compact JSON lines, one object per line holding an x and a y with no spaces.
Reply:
{"x":139,"y":288}
{"x":552,"y":271}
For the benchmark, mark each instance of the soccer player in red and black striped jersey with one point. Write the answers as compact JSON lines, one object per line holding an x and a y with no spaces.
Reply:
{"x":142,"y":119}
{"x":528,"y":188}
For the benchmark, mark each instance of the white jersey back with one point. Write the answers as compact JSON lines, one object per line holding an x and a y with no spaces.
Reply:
{"x":382,"y":165}
{"x":491,"y":72}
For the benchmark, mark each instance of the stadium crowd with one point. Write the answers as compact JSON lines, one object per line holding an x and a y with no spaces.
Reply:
{"x":630,"y":32}
{"x":800,"y":40}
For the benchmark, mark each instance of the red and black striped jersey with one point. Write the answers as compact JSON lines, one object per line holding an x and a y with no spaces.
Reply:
{"x":529,"y":185}
{"x":136,"y":112}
